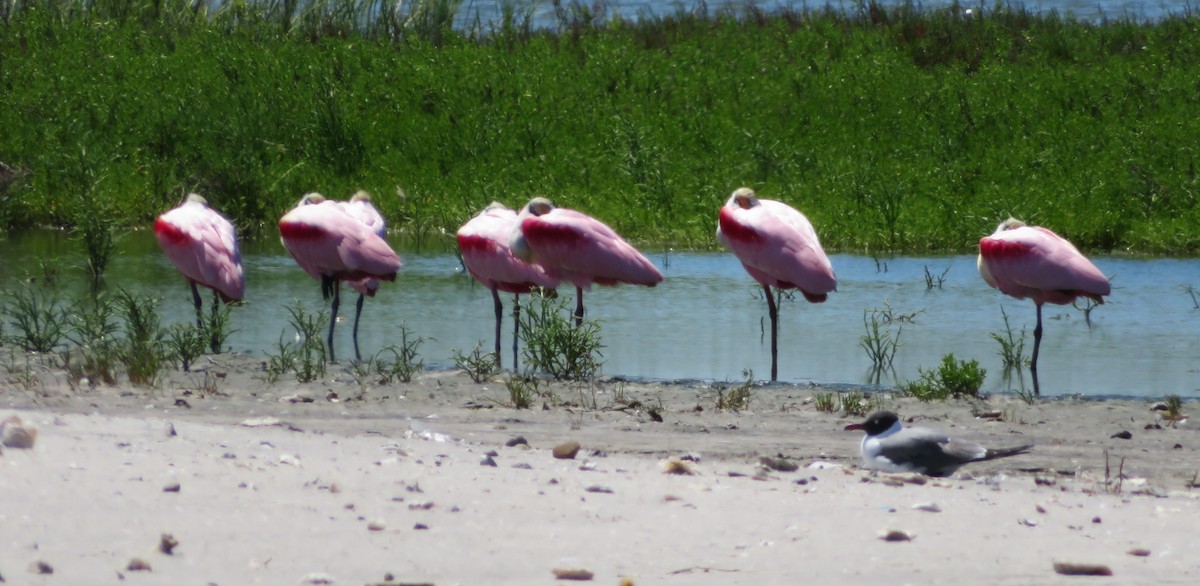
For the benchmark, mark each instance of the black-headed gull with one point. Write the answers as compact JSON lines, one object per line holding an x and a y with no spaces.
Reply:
{"x":891,"y":447}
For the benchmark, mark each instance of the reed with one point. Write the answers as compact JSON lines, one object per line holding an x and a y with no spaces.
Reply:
{"x":1012,"y":347}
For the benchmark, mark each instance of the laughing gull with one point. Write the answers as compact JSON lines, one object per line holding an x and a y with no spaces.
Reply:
{"x":891,"y":447}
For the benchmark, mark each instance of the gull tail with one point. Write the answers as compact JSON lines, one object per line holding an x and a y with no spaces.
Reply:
{"x":993,"y":453}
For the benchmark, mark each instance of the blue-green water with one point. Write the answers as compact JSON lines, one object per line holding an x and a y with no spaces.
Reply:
{"x":707,"y":320}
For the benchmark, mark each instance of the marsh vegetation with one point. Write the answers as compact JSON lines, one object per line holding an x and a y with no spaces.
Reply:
{"x":893,"y":128}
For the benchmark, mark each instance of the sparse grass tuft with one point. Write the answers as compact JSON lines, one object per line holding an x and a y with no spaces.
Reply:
{"x":95,"y":226}
{"x":953,"y":379}
{"x":38,"y":317}
{"x":736,"y":398}
{"x":855,"y":404}
{"x":1012,"y":348}
{"x":405,"y":359}
{"x":880,"y":342}
{"x":185,"y":343}
{"x":142,"y":348}
{"x":554,"y":345}
{"x":825,"y":402}
{"x":305,"y":353}
{"x":478,"y":365}
{"x":521,"y":390}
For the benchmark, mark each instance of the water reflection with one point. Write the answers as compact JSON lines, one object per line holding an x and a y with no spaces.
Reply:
{"x":707,"y":320}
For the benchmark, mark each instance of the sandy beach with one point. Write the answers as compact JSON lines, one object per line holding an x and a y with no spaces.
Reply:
{"x":217,"y":477}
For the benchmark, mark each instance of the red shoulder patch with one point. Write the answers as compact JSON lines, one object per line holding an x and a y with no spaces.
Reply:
{"x":734,"y":230}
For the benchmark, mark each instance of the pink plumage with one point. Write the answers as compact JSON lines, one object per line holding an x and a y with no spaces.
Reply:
{"x":327,"y":241}
{"x":338,"y":241}
{"x":579,"y":248}
{"x":486,"y":254}
{"x":202,"y":244}
{"x":1031,"y":262}
{"x":360,"y":208}
{"x":779,"y":248}
{"x":776,"y":244}
{"x":484,"y":243}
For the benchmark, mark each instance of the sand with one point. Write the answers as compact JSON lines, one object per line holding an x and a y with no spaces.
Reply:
{"x":353,"y":482}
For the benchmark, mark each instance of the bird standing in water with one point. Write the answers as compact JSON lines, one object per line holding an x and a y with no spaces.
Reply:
{"x":1031,"y":262}
{"x":484,"y":244}
{"x":578,"y":248}
{"x":331,"y":245}
{"x":202,"y":244}
{"x":779,"y":248}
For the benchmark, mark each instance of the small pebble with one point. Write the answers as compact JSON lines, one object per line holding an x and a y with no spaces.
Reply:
{"x":599,"y":489}
{"x":17,"y":434}
{"x":572,"y":574}
{"x":566,"y":450}
{"x":167,"y":544}
{"x":927,"y":507}
{"x":1121,"y":435}
{"x":376,"y":526}
{"x":1044,"y":481}
{"x":487,"y":461}
{"x":778,"y":464}
{"x":171,"y":487}
{"x":676,"y":466}
{"x":1077,"y":569}
{"x":420,"y":527}
{"x":138,"y":565}
{"x":317,"y":578}
{"x":1140,"y":552}
{"x":171,"y":430}
{"x":41,"y":567}
{"x":896,"y":535}
{"x":516,"y":441}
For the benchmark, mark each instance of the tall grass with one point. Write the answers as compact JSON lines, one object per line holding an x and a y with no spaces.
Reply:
{"x":893,"y":128}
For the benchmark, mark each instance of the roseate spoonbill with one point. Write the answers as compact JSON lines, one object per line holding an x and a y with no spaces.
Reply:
{"x":779,"y":248}
{"x":576,"y":247}
{"x":361,"y":209}
{"x":202,"y":244}
{"x":1031,"y":262}
{"x":484,"y":244}
{"x":332,"y":246}
{"x":891,"y":447}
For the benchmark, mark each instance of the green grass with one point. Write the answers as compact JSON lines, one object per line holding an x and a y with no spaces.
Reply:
{"x":953,"y":379}
{"x":893,"y":129}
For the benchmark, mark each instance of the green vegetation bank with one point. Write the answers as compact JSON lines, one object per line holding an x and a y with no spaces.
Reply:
{"x":892,"y":129}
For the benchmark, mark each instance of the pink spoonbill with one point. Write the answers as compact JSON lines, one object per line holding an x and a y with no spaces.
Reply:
{"x":360,"y":208}
{"x":484,"y":244}
{"x":779,"y":248}
{"x":1031,"y":262}
{"x":202,"y":244}
{"x":578,"y":248}
{"x":332,"y":245}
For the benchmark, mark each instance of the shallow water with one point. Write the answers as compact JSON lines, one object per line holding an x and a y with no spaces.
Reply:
{"x":708,"y":319}
{"x":1091,"y":10}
